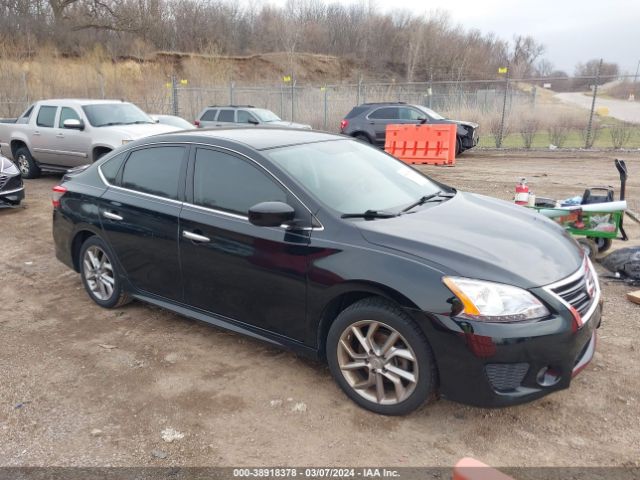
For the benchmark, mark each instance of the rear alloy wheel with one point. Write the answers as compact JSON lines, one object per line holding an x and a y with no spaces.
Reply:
{"x":99,"y":274}
{"x":380,"y":358}
{"x":27,"y":165}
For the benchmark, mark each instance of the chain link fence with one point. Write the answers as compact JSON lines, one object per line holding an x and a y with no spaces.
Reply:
{"x":551,"y":113}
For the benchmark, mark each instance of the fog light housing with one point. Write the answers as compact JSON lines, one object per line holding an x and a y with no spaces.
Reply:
{"x":548,"y":376}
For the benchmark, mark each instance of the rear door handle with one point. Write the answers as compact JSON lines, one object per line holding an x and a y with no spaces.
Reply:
{"x":59,"y":135}
{"x":195,"y":237}
{"x":111,"y":216}
{"x":36,"y":133}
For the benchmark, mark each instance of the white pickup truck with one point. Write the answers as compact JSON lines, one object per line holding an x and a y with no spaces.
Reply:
{"x":60,"y":134}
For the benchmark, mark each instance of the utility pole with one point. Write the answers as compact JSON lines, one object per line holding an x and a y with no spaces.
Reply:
{"x":587,"y":142}
{"x":504,"y":106}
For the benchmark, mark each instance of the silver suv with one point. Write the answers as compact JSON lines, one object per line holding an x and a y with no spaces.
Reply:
{"x":223,"y":116}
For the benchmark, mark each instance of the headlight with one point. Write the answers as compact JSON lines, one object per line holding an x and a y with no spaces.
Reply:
{"x":124,"y":142}
{"x":494,"y":302}
{"x":8,"y":167}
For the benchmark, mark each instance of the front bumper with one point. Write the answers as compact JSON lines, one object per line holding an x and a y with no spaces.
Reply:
{"x":496,"y":365}
{"x":13,"y":196}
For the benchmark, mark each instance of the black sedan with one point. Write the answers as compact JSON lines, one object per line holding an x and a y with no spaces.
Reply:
{"x":334,"y":249}
{"x":11,"y":187}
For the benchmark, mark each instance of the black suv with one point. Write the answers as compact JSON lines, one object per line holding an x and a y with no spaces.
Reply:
{"x":332,"y":248}
{"x":368,"y":122}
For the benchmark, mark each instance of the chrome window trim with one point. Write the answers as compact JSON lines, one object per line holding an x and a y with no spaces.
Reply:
{"x":243,"y":217}
{"x":380,"y":108}
{"x":581,"y":272}
{"x":144,"y":194}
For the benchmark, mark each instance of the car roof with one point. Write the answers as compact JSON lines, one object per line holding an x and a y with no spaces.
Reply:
{"x":77,"y":101}
{"x":260,"y":138}
{"x":231,"y":106}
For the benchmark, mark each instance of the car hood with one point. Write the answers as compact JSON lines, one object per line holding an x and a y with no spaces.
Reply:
{"x":133,"y":132}
{"x":466,"y":124}
{"x":282,"y":123}
{"x":481,"y":237}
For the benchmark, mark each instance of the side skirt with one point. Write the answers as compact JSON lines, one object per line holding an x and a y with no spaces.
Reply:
{"x":228,"y":324}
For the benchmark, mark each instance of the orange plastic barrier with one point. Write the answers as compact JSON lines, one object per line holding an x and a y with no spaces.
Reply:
{"x":471,"y":469}
{"x":430,"y":144}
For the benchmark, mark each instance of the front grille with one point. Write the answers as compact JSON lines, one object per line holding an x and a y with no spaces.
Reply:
{"x":506,"y":376}
{"x":579,"y":291}
{"x":3,"y":180}
{"x":12,"y":183}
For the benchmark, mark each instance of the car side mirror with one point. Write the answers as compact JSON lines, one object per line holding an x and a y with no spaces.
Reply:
{"x":252,"y":121}
{"x":73,"y":124}
{"x":271,"y":214}
{"x":422,"y":120}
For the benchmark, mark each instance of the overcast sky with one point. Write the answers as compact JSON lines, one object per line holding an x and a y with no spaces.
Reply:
{"x":572,"y":30}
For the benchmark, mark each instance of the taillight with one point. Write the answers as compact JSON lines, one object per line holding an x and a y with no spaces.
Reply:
{"x":196,"y":123}
{"x":344,"y":124}
{"x":58,"y":192}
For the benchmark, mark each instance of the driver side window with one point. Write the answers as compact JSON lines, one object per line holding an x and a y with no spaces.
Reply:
{"x":67,"y":114}
{"x":411,"y":114}
{"x":225,"y":182}
{"x":246,"y":117}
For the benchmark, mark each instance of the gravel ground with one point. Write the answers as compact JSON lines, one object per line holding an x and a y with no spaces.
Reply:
{"x":85,"y":386}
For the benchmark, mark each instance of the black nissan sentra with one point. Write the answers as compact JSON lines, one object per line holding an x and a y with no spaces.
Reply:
{"x":334,"y":249}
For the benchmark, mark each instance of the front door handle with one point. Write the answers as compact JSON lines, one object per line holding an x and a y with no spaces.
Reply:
{"x":195,"y":237}
{"x":36,"y":133}
{"x":59,"y":135}
{"x":112,"y":216}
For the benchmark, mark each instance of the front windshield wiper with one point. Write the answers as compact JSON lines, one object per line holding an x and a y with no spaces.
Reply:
{"x":138,"y":122}
{"x":110,"y":124}
{"x":370,"y":214}
{"x":426,"y":198}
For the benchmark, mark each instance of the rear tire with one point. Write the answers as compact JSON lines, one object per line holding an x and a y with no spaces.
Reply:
{"x":27,"y":165}
{"x":603,"y":244}
{"x":459,"y":148}
{"x":380,"y":358}
{"x":100,"y":275}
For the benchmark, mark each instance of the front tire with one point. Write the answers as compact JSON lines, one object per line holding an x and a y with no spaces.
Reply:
{"x":27,"y":165}
{"x":100,"y":275}
{"x":380,"y":358}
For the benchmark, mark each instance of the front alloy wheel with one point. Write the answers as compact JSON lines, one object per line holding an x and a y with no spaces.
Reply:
{"x":380,"y":357}
{"x":377,"y":362}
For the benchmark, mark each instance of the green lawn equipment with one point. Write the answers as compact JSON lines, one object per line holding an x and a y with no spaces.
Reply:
{"x":596,"y":218}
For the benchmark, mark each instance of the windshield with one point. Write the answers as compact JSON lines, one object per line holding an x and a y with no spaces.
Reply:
{"x":432,"y":114}
{"x":350,"y":177}
{"x":265,"y":115}
{"x":106,"y":114}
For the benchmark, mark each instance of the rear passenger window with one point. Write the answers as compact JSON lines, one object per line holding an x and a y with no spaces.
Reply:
{"x":388,"y":113}
{"x":226,"y":182}
{"x":154,"y":170}
{"x":46,"y":116}
{"x":111,"y":167}
{"x":226,"y":116}
{"x":209,"y":115}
